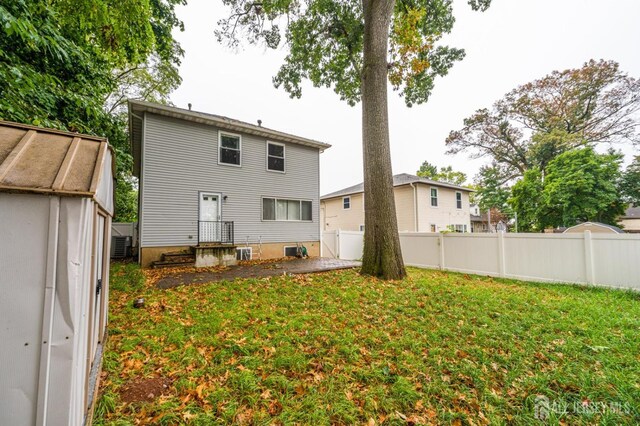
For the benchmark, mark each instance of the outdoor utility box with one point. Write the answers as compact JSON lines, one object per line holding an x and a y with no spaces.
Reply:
{"x":56,"y":205}
{"x":120,"y":246}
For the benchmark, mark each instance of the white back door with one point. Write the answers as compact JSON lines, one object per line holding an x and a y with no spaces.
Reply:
{"x":209,"y":226}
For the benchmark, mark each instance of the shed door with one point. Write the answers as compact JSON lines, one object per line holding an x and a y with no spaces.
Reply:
{"x":209,"y":225}
{"x":99,"y":259}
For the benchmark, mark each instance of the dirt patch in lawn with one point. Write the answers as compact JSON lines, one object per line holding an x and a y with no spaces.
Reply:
{"x":144,"y":390}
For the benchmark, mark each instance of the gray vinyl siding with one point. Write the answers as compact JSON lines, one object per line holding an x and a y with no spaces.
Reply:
{"x":180,"y":160}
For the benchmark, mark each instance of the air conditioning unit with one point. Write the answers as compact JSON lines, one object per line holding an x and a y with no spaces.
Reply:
{"x":120,"y":246}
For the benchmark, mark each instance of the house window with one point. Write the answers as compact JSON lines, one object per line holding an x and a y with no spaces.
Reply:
{"x":291,"y":251}
{"x":361,"y":228}
{"x":459,"y":200}
{"x":346,"y":203}
{"x":433,"y":227}
{"x":458,"y":228}
{"x":229,"y":149}
{"x":243,"y":253}
{"x":286,"y":210}
{"x":434,"y":197}
{"x":275,"y":157}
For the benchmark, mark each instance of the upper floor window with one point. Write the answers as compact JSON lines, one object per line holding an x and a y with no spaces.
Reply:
{"x":229,"y":149}
{"x":434,"y":197}
{"x":459,"y":200}
{"x":275,"y":157}
{"x":346,"y":203}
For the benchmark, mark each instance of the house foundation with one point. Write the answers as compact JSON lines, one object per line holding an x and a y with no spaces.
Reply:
{"x":148,"y":255}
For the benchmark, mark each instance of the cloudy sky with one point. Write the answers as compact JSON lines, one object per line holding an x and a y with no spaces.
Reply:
{"x":512,"y":43}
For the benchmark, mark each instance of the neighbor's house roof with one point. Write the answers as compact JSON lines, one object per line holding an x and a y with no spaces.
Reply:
{"x":138,"y":108}
{"x":47,"y":161}
{"x":631,"y":213}
{"x":577,"y":227}
{"x":398,"y":180}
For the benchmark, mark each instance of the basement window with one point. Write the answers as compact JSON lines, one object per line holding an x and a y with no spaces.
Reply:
{"x":291,"y":251}
{"x":243,"y":253}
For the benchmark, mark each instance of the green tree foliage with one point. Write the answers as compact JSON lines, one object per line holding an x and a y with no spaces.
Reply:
{"x":71,"y":64}
{"x":357,"y":48}
{"x":525,"y":199}
{"x":564,"y":110}
{"x":446,"y":174}
{"x":579,"y":185}
{"x":491,"y":192}
{"x":630,"y":184}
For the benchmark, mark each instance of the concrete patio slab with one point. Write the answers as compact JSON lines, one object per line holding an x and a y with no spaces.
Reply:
{"x":294,"y":266}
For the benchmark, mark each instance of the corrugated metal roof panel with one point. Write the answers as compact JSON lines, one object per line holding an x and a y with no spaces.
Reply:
{"x":40,"y":160}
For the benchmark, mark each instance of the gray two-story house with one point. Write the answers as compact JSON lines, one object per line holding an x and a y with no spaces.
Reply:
{"x":207,"y":179}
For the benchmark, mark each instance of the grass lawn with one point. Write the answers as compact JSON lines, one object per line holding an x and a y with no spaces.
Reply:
{"x":337,"y":348}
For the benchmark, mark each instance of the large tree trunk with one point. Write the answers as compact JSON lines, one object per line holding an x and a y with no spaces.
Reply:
{"x":382,"y":256}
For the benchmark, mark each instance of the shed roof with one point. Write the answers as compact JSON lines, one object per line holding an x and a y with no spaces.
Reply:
{"x":137,"y":108}
{"x":40,"y":160}
{"x":576,"y":228}
{"x":398,"y":180}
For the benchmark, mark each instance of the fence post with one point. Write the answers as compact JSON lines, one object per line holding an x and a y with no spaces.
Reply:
{"x":501,"y":260}
{"x":588,"y":258}
{"x":441,"y":243}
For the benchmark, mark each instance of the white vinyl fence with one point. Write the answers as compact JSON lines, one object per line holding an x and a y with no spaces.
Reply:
{"x":611,"y":260}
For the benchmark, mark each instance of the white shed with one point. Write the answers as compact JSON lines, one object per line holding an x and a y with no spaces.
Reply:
{"x":56,"y":204}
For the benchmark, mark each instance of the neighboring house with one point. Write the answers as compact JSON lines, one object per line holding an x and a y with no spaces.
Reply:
{"x":630,"y":221}
{"x":479,"y":221}
{"x":56,"y":204}
{"x":210,"y":179}
{"x":422,"y":205}
{"x":594,"y":227}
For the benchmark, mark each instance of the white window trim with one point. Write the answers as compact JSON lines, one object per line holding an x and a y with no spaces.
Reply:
{"x":461,"y":203}
{"x":220,"y":134}
{"x":284,"y":157}
{"x":344,"y":198}
{"x":284,"y":199}
{"x":431,"y":197}
{"x":245,"y":248}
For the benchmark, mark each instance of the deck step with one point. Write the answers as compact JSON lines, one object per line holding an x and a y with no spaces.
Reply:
{"x":173,"y":264}
{"x":178,"y":257}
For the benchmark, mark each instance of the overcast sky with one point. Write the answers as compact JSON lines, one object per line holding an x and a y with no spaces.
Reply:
{"x":512,"y":43}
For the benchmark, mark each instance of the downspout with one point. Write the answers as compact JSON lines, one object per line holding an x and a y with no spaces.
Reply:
{"x":415,"y":206}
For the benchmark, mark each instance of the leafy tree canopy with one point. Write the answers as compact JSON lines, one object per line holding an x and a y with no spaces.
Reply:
{"x":580,"y":185}
{"x":71,"y":65}
{"x":491,"y":193}
{"x":564,"y":110}
{"x":325,"y":41}
{"x":446,"y":174}
{"x":630,"y":184}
